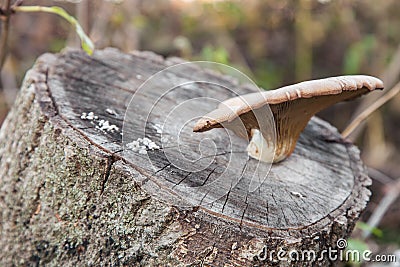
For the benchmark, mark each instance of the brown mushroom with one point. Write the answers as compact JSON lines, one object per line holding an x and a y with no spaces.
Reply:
{"x":292,"y":107}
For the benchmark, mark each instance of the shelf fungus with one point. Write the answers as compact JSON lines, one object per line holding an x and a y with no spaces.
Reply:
{"x":291,"y":106}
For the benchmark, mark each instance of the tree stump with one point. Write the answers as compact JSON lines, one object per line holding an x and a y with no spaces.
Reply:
{"x":70,"y":195}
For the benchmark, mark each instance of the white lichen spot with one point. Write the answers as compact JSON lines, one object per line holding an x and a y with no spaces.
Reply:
{"x":138,"y":76}
{"x":106,"y":126}
{"x":142,"y":145}
{"x":90,"y":116}
{"x":146,"y":141}
{"x":153,"y":146}
{"x":133,"y":145}
{"x":297,"y":194}
{"x":111,"y":112}
{"x":103,"y":125}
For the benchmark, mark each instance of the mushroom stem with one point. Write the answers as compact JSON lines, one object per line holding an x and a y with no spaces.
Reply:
{"x":259,"y":148}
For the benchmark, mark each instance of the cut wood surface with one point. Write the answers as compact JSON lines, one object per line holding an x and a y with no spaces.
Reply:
{"x":72,"y":193}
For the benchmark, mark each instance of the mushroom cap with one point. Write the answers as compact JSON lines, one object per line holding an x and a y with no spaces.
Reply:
{"x":235,"y":107}
{"x":291,"y":106}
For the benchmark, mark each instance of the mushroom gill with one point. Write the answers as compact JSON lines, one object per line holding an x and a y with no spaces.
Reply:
{"x":291,"y":106}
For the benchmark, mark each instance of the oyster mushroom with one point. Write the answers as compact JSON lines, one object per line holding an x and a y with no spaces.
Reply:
{"x":292,"y":107}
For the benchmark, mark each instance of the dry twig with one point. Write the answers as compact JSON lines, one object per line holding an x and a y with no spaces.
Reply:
{"x":368,"y":111}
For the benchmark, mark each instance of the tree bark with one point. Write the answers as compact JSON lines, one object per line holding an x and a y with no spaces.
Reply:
{"x":70,"y":194}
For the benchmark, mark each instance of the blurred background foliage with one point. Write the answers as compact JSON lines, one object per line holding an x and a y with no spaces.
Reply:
{"x":275,"y":42}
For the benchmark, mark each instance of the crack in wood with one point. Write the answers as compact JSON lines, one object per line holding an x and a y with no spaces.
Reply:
{"x":180,"y":181}
{"x":208,"y":176}
{"x":226,"y":200}
{"x":163,"y":168}
{"x":204,"y":196}
{"x":244,"y":212}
